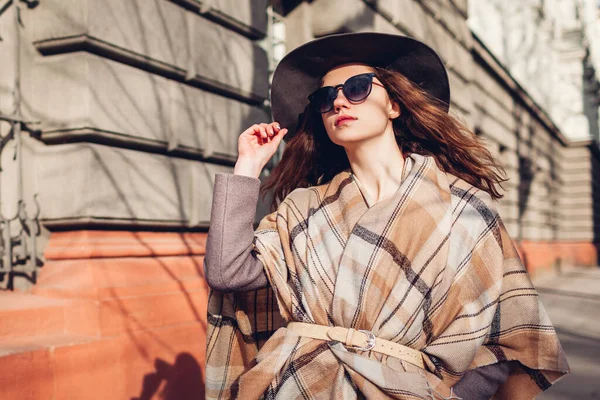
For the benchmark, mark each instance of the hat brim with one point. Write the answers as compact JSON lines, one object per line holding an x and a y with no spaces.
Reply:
{"x":298,"y":74}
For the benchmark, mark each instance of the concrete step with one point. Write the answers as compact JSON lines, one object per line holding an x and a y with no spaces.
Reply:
{"x":110,"y":278}
{"x":110,"y":315}
{"x":68,"y":366}
{"x":24,"y":314}
{"x":117,"y":310}
{"x":105,"y":297}
{"x":20,"y":345}
{"x":126,"y":314}
{"x":85,"y":244}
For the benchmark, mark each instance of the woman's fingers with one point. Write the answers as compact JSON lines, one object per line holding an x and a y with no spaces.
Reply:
{"x":253,"y":130}
{"x":280,"y":136}
{"x":264,"y":132}
{"x":276,"y":128}
{"x":257,"y":130}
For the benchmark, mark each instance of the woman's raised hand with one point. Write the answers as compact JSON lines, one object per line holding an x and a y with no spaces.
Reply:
{"x":256,"y":146}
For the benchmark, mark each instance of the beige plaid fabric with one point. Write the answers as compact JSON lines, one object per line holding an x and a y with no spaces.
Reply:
{"x":431,"y":267}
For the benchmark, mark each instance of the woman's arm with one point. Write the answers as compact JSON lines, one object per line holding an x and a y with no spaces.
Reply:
{"x":230,"y":263}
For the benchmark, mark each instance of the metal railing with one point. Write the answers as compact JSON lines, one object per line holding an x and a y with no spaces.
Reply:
{"x":18,"y":233}
{"x":18,"y":239}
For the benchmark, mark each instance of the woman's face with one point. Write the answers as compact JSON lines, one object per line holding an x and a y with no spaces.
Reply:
{"x":349,"y":123}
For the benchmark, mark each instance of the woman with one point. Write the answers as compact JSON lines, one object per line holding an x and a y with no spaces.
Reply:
{"x":384,"y":270}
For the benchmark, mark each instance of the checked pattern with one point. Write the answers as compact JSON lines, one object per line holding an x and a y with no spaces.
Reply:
{"x":431,"y":267}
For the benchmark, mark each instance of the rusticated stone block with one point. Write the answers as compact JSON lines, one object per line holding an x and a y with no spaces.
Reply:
{"x":495,"y":131}
{"x":160,"y":31}
{"x":250,"y":12}
{"x":91,"y":183}
{"x":420,"y":16}
{"x":508,"y":210}
{"x":82,"y":94}
{"x":575,"y":234}
{"x":406,"y":16}
{"x":333,"y":16}
{"x":492,"y":87}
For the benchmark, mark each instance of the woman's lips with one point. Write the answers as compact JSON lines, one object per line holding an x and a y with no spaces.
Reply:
{"x":343,"y":118}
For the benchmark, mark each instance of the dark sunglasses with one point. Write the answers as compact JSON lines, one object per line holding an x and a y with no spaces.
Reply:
{"x":355,"y":89}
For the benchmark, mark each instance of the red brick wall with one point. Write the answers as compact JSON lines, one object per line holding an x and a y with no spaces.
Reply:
{"x":114,"y":315}
{"x":542,"y":257}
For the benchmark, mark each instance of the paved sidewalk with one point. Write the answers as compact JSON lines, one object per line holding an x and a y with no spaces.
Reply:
{"x":572,"y":300}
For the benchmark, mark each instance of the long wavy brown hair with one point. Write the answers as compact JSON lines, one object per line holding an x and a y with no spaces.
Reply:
{"x":423,"y":127}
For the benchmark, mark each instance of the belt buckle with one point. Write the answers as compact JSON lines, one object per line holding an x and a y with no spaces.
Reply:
{"x":370,"y":341}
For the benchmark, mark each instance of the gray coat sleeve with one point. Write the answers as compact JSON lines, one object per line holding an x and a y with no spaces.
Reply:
{"x":481,"y":383}
{"x":230,"y":263}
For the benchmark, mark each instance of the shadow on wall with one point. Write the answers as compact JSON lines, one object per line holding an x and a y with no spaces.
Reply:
{"x":591,"y":96}
{"x":539,"y":212}
{"x":184,"y":379}
{"x":591,"y":101}
{"x":181,"y":381}
{"x":525,"y":172}
{"x":595,"y":182}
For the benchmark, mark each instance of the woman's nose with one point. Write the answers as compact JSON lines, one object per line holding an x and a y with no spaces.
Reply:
{"x":340,"y":100}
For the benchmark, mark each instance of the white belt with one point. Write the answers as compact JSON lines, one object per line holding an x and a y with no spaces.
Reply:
{"x":358,"y":339}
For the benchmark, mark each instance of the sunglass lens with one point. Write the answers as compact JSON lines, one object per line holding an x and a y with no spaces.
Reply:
{"x":323,"y":99}
{"x":355,"y":89}
{"x":358,"y":87}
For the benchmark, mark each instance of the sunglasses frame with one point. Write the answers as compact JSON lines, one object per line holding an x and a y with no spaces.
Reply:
{"x":371,"y":75}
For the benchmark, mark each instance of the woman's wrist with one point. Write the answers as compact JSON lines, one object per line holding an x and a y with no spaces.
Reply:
{"x":247,"y":167}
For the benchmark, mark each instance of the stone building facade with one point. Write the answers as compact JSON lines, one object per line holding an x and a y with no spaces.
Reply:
{"x":552,"y":49}
{"x":139,"y":104}
{"x":129,"y":110}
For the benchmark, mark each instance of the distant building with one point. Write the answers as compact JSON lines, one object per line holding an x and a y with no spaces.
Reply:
{"x":552,"y":48}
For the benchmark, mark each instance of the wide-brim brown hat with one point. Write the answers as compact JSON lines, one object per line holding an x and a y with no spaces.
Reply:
{"x":298,"y":74}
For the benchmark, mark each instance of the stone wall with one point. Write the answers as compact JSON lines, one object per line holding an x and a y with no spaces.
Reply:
{"x":140,"y":103}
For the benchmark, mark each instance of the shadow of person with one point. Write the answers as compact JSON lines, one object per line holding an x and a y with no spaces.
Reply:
{"x":182,"y":380}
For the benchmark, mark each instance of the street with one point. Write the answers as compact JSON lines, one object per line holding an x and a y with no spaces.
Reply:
{"x":572,"y":299}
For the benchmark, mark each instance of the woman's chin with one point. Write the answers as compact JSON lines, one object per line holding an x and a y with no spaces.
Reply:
{"x":343,"y":135}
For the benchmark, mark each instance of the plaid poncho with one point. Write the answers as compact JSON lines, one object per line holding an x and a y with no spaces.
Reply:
{"x":431,"y":267}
